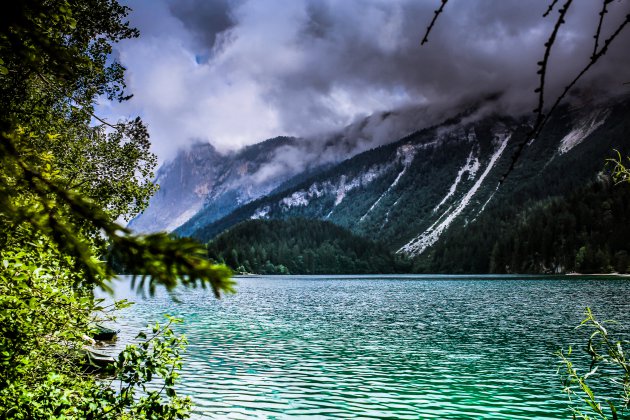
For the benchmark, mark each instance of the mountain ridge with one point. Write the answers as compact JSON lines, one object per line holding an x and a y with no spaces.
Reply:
{"x":228,"y":180}
{"x":201,"y":177}
{"x":447,"y":177}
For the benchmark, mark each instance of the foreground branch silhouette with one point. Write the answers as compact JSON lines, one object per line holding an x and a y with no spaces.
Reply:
{"x":542,"y":112}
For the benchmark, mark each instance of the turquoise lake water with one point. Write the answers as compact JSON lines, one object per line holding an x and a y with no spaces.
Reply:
{"x":470,"y":347}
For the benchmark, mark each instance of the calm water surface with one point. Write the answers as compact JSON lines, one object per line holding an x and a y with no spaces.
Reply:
{"x":381,"y":347}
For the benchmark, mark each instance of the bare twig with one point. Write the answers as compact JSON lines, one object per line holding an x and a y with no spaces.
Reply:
{"x":542,"y":119}
{"x":550,"y":9}
{"x":545,"y":61}
{"x":593,"y":60}
{"x":540,"y":116}
{"x":437,"y":13}
{"x":605,"y":4}
{"x":115,"y":127}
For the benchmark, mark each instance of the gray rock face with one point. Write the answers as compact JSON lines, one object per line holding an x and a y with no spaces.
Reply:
{"x":201,"y":177}
{"x":184,"y":184}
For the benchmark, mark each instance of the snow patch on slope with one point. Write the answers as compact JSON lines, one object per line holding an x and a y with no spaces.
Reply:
{"x":344,"y":184}
{"x":471,"y":166}
{"x":389,"y":211}
{"x":339,"y":189}
{"x":385,"y":193}
{"x":261,"y":213}
{"x":405,"y":154}
{"x":585,"y":128}
{"x":298,"y":198}
{"x":488,"y":200}
{"x":432,"y":234}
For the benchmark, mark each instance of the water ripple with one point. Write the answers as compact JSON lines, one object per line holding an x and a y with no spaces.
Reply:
{"x":375,"y":348}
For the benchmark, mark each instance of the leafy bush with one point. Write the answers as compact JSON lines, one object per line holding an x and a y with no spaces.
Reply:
{"x":63,"y":184}
{"x":609,"y":371}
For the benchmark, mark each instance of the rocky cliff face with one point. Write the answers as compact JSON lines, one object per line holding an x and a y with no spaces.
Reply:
{"x":201,"y":177}
{"x":184,"y":184}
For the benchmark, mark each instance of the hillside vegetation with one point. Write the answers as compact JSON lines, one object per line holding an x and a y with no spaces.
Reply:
{"x":300,"y":246}
{"x":585,"y":232}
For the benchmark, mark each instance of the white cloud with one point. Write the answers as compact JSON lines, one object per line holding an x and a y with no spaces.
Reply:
{"x":235,"y":72}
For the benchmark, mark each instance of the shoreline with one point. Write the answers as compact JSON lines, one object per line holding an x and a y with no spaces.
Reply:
{"x":627,"y":275}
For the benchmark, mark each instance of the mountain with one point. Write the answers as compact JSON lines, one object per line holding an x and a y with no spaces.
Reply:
{"x":441,"y":185}
{"x":182,"y":189}
{"x":301,"y":246}
{"x":201,"y":177}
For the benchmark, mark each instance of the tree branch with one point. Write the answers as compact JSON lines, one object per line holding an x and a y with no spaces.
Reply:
{"x":592,"y":62}
{"x":542,"y":119}
{"x":550,"y":9}
{"x":437,"y":13}
{"x":115,"y":127}
{"x":605,"y":4}
{"x":545,"y":61}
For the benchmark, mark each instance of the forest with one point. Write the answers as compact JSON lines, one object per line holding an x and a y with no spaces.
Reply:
{"x":584,"y":231}
{"x":301,"y":246}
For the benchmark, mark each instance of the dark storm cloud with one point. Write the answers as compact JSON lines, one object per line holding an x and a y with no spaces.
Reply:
{"x":205,"y":19}
{"x":300,"y":67}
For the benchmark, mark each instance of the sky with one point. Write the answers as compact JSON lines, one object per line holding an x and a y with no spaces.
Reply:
{"x":236,"y":72}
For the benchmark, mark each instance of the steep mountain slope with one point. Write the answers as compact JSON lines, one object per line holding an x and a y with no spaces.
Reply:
{"x":393,"y":187}
{"x":424,"y":189}
{"x":184,"y":183}
{"x":202,"y":177}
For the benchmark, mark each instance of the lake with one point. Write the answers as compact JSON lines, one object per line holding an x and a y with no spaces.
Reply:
{"x":474,"y":347}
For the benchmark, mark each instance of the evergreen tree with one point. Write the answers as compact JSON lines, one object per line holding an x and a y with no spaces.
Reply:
{"x":63,"y":184}
{"x":300,"y":246}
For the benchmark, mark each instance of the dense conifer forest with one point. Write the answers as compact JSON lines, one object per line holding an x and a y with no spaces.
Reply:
{"x":300,"y":246}
{"x":584,"y":231}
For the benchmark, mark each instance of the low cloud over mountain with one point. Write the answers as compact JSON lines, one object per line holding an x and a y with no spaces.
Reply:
{"x":235,"y":72}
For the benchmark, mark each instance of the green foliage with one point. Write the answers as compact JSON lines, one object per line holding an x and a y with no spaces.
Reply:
{"x":300,"y":246}
{"x":42,"y":319}
{"x":64,"y":182}
{"x":608,"y":374}
{"x":584,"y":232}
{"x":44,"y":372}
{"x":158,"y":354}
{"x":620,"y":171}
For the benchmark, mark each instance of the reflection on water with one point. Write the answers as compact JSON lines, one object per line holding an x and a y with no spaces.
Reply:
{"x":380,"y":347}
